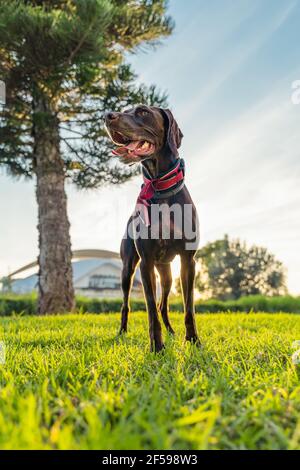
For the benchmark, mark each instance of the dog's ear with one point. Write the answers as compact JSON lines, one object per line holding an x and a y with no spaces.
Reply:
{"x":173,"y":133}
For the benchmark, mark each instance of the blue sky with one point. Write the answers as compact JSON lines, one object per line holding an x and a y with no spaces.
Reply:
{"x":228,"y":69}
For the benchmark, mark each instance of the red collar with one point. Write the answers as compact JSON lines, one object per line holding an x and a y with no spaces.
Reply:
{"x":161,"y":183}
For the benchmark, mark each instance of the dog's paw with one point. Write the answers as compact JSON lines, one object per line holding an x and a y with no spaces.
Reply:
{"x":170,"y":331}
{"x":194,"y":340}
{"x":157,"y":347}
{"x":121,"y":332}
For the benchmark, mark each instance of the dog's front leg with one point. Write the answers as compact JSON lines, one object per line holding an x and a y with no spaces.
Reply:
{"x":149,"y":285}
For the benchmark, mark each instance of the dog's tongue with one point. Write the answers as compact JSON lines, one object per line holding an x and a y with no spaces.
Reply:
{"x":127,"y":148}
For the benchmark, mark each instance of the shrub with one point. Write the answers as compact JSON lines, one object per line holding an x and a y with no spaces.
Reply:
{"x":11,"y":304}
{"x":17,"y":304}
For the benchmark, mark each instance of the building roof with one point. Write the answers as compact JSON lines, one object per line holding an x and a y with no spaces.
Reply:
{"x":28,"y":284}
{"x":81,"y":268}
{"x":77,"y":254}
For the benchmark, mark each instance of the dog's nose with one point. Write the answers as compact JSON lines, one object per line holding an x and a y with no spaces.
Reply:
{"x":111,"y":116}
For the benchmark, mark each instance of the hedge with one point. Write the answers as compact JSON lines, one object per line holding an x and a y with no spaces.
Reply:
{"x":27,"y":305}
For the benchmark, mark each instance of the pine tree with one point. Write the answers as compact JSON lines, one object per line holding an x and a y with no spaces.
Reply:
{"x":63,"y":64}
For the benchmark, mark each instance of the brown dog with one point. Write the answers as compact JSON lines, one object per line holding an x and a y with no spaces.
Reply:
{"x":151,"y":136}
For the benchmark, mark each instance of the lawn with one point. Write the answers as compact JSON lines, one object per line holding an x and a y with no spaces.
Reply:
{"x":69,"y":383}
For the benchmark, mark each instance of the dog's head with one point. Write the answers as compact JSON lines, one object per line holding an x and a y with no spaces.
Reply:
{"x":143,"y":132}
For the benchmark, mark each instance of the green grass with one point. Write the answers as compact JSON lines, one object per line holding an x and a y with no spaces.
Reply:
{"x":68,"y":383}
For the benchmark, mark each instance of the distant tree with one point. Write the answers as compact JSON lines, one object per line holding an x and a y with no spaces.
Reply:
{"x":63,"y":65}
{"x":6,"y":284}
{"x":228,"y":269}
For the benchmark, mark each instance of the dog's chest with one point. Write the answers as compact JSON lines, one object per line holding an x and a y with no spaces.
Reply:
{"x":164,"y":251}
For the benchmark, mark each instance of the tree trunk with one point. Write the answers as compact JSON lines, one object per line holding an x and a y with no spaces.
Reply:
{"x":56,"y":293}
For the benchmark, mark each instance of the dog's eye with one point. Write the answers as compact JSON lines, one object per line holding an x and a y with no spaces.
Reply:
{"x":142,"y":112}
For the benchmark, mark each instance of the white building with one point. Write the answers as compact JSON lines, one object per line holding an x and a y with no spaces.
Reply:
{"x":96,"y":273}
